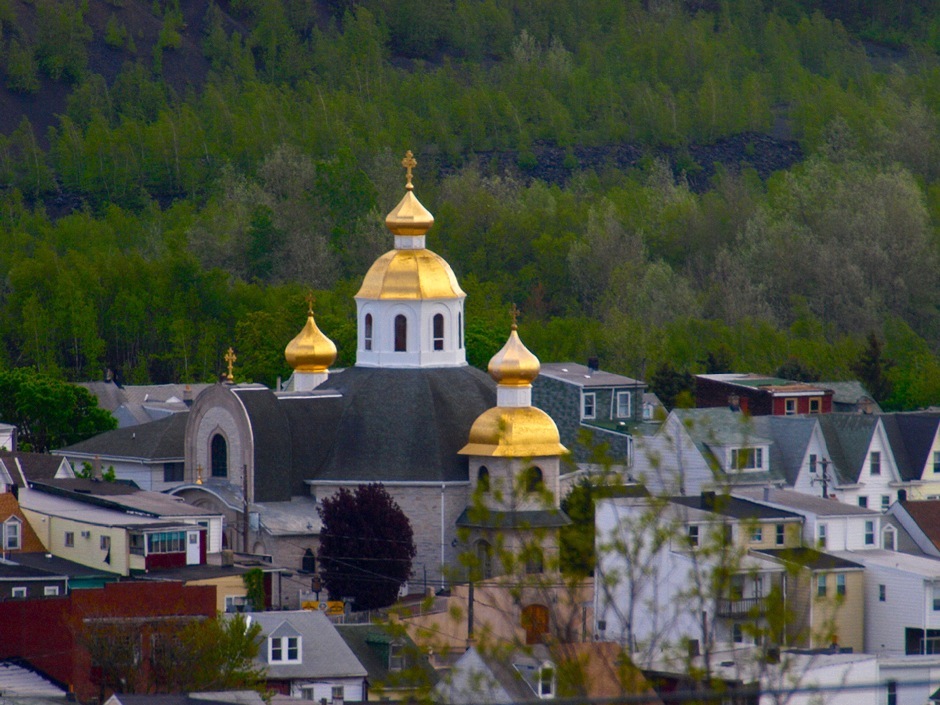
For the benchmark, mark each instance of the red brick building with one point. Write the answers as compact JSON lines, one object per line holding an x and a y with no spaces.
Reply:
{"x":760,"y":395}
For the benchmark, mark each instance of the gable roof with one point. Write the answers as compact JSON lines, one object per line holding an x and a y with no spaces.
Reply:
{"x":155,"y":441}
{"x":583,"y":376}
{"x":926,"y":515}
{"x":365,"y":640}
{"x":911,"y":437}
{"x":324,"y":654}
{"x":30,"y":467}
{"x":121,"y":496}
{"x":848,"y":437}
{"x":790,"y":435}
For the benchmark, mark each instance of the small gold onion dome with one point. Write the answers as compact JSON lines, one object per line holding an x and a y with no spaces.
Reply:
{"x":516,"y":432}
{"x":310,"y":350}
{"x":409,"y":217}
{"x":514,"y":365}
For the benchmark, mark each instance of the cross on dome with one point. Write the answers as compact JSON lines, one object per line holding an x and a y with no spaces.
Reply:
{"x":409,"y":162}
{"x":230,"y":359}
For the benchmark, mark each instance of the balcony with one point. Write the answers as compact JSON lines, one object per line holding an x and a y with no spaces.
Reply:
{"x":743,"y":607}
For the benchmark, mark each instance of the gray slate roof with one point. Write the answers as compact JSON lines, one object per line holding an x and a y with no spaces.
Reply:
{"x":846,"y":395}
{"x":911,"y":437}
{"x":791,"y":435}
{"x":17,"y":681}
{"x":35,"y":466}
{"x":154,"y":441}
{"x":848,"y":437}
{"x":324,"y":654}
{"x":584,"y":376}
{"x":365,"y":641}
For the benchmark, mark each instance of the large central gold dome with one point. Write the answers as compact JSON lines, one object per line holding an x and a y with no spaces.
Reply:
{"x":410,"y":275}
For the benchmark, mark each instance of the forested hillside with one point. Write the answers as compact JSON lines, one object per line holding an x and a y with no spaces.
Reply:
{"x":671,"y":186}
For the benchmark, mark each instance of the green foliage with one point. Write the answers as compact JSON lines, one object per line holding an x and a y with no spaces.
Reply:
{"x":47,"y":412}
{"x":21,"y":67}
{"x":62,"y":38}
{"x":115,"y":33}
{"x":254,"y":584}
{"x":872,"y":369}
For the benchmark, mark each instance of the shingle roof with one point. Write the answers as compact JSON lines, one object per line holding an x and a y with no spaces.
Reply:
{"x":733,"y":507}
{"x":810,"y":558}
{"x":926,"y":514}
{"x":35,"y":466}
{"x":848,"y":437}
{"x":60,"y":566}
{"x":791,"y":435}
{"x":583,"y":376}
{"x":363,"y":639}
{"x":160,"y":440}
{"x":539,"y":518}
{"x":800,"y":501}
{"x":911,"y":437}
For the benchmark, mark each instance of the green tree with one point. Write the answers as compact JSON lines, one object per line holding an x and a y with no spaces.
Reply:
{"x":872,"y":368}
{"x":47,"y":412}
{"x":366,"y":546}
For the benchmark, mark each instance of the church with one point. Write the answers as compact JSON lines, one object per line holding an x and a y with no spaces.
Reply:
{"x":410,"y":414}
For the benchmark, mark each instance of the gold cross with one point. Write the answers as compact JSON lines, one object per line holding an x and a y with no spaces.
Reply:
{"x":514,"y":313}
{"x":310,"y":301}
{"x":230,"y":359}
{"x":409,"y":163}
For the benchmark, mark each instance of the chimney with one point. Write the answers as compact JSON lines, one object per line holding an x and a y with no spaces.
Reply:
{"x":188,"y":396}
{"x":593,"y":363}
{"x":228,"y":558}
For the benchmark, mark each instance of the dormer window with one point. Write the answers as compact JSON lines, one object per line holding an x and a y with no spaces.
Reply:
{"x":547,"y":681}
{"x":284,"y":649}
{"x":12,"y":534}
{"x":396,"y":656}
{"x":747,"y":459}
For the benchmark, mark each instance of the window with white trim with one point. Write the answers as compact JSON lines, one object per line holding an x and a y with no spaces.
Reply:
{"x":840,"y":584}
{"x":624,"y":405}
{"x":693,"y":535}
{"x":69,"y":539}
{"x":815,"y":405}
{"x":50,"y":590}
{"x":821,"y":585}
{"x":337,"y":692}
{"x":547,"y":680}
{"x":874,"y":465}
{"x":869,"y":533}
{"x":789,"y":407}
{"x":367,"y":332}
{"x":936,"y":461}
{"x":284,"y":649}
{"x":747,"y":458}
{"x":885,"y":502}
{"x":588,"y":405}
{"x":757,"y":534}
{"x":437,"y":331}
{"x":18,"y":592}
{"x":821,"y":535}
{"x":12,"y":534}
{"x":936,"y":598}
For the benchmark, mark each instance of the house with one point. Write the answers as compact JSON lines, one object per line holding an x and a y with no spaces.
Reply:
{"x":79,"y":576}
{"x":921,"y":520}
{"x":863,"y":468}
{"x":851,"y":397}
{"x":798,"y":453}
{"x":760,"y":395}
{"x":148,"y":454}
{"x":584,"y":671}
{"x":398,"y":669}
{"x":915,"y":445}
{"x":19,"y":469}
{"x":305,"y":657}
{"x":16,"y":533}
{"x":142,"y":403}
{"x":587,"y":401}
{"x":20,"y":582}
{"x":902,"y":602}
{"x":693,"y":540}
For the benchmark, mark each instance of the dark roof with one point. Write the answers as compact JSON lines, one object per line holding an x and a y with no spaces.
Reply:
{"x":70,"y":486}
{"x":810,"y":558}
{"x":16,"y":571}
{"x":60,"y":566}
{"x":848,"y":437}
{"x":194,"y":572}
{"x":36,"y":466}
{"x":400,"y":425}
{"x":154,"y":441}
{"x":733,"y":507}
{"x":271,"y":435}
{"x":926,"y":514}
{"x":911,"y":437}
{"x":539,"y":518}
{"x":791,"y":435}
{"x":367,"y":642}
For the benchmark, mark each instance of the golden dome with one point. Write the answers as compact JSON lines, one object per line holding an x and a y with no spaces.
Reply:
{"x":310,"y":350}
{"x":518,"y":432}
{"x":514,"y":365}
{"x":409,"y":217}
{"x":410,"y":275}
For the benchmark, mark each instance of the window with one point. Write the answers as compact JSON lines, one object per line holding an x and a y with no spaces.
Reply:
{"x":936,"y":461}
{"x":367,"y":333}
{"x":437,"y":331}
{"x":863,"y":502}
{"x":12,"y":534}
{"x":821,"y":585}
{"x":840,"y":585}
{"x":885,"y":502}
{"x":483,"y":479}
{"x":747,"y":458}
{"x":396,"y":656}
{"x":874,"y":465}
{"x":821,"y":535}
{"x":892,"y":692}
{"x":166,"y":542}
{"x":235,"y":603}
{"x":693,"y":535}
{"x":401,"y":333}
{"x":18,"y":592}
{"x":737,"y":633}
{"x":69,"y":539}
{"x":105,"y":543}
{"x":882,"y":593}
{"x":284,"y":649}
{"x":889,"y":539}
{"x":50,"y":590}
{"x":460,"y":330}
{"x":936,"y":598}
{"x":547,"y":681}
{"x":781,"y":534}
{"x":789,"y":407}
{"x":758,"y":586}
{"x":306,"y":692}
{"x":588,"y":401}
{"x":219,"y":456}
{"x":533,"y":479}
{"x":869,"y":533}
{"x":336,"y":692}
{"x":815,"y":405}
{"x":624,"y":407}
{"x":172,"y":472}
{"x":757,"y":534}
{"x":534,"y":563}
{"x":812,"y":462}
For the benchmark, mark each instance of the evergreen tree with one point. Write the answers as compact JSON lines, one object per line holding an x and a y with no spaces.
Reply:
{"x":872,"y":369}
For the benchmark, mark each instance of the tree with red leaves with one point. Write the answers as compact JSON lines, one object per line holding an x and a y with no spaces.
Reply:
{"x":366,"y":546}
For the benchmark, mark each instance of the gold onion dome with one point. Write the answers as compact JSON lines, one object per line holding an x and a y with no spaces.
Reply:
{"x":409,"y":217}
{"x":310,"y":350}
{"x":514,"y":432}
{"x":514,"y":365}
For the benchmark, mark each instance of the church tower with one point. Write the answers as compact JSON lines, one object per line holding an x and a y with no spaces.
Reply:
{"x":410,"y":306}
{"x":514,"y":461}
{"x":310,"y":355}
